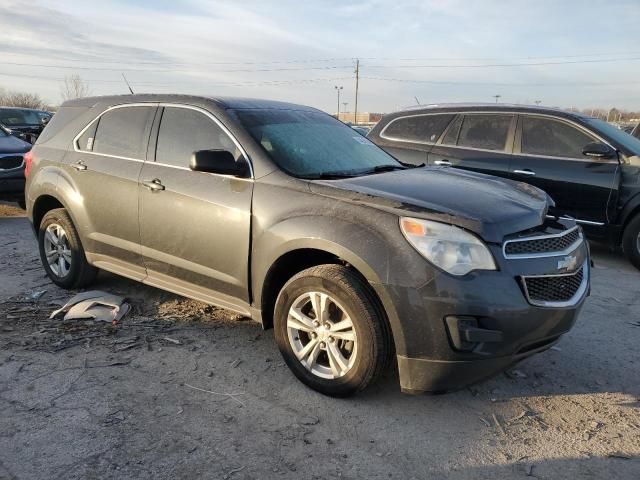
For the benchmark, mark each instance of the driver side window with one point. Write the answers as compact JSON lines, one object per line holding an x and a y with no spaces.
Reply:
{"x":552,"y":138}
{"x":184,"y":131}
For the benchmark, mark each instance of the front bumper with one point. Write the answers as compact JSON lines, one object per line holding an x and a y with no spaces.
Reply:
{"x":505,"y":326}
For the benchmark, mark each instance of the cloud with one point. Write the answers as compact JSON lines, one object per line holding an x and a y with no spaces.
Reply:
{"x":224,"y":47}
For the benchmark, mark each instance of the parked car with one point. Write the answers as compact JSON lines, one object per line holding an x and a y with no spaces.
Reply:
{"x":361,"y":130}
{"x":590,"y":168}
{"x":24,"y":123}
{"x":12,"y":179}
{"x":281,"y":213}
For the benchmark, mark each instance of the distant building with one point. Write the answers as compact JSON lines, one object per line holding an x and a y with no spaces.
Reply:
{"x":364,"y":118}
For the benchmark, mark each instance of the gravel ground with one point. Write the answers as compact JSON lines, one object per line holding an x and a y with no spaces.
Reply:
{"x":180,"y":389}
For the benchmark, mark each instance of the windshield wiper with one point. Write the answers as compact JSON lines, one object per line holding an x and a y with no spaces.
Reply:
{"x":388,"y":168}
{"x":329,"y":176}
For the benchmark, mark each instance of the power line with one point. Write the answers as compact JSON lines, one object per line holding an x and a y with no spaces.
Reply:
{"x":334,"y":67}
{"x":337,"y":59}
{"x":500,"y":84}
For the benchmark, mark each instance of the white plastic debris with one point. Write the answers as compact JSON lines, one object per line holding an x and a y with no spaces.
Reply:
{"x":95,"y":305}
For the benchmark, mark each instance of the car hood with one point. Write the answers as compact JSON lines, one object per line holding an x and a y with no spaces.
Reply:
{"x":11,"y":144}
{"x":489,"y":206}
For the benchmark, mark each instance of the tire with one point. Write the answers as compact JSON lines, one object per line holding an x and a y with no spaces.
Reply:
{"x":22,"y":204}
{"x":364,"y":348}
{"x":631,"y":241}
{"x":75,"y":271}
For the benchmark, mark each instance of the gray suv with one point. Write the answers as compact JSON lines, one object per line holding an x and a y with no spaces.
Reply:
{"x":283,"y":214}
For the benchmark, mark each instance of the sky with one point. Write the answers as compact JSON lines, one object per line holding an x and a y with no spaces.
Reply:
{"x":582,"y":54}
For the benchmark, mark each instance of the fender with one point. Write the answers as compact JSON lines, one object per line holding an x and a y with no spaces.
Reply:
{"x":374,"y":253}
{"x":629,"y":209}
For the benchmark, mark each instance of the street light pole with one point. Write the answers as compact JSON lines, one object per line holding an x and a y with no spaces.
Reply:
{"x":497,"y":97}
{"x":338,"y":88}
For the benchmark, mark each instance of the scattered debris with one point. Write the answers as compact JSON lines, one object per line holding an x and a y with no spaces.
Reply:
{"x":485,"y":421}
{"x":35,"y":296}
{"x":498,"y":424}
{"x":529,"y":471}
{"x":515,"y":374}
{"x":172,"y":340}
{"x":231,"y":472}
{"x":309,"y":420}
{"x":95,"y":305}
{"x":619,"y":455}
{"x":232,"y":396}
{"x":236,"y":363}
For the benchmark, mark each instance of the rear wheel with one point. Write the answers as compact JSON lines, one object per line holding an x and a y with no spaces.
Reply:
{"x":61,"y":252}
{"x":331,"y":331}
{"x":631,"y":241}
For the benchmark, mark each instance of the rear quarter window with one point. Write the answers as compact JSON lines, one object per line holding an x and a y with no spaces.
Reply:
{"x":417,"y":128}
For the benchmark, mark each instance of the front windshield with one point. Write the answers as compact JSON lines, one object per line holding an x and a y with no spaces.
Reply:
{"x":629,"y":142}
{"x":17,"y":116}
{"x":313,"y":144}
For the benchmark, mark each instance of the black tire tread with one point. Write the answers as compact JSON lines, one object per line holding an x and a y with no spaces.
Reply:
{"x":629,"y":244}
{"x":357,"y":287}
{"x":86,"y":273}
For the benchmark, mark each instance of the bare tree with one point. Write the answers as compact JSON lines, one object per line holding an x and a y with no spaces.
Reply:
{"x":21,"y":99}
{"x":74,"y":87}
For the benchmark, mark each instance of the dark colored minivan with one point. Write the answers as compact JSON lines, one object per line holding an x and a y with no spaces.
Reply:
{"x":590,"y":168}
{"x":282,"y":213}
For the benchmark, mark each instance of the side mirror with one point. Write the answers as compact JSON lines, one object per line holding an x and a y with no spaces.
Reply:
{"x":598,"y":150}
{"x":218,"y":161}
{"x":45,"y":120}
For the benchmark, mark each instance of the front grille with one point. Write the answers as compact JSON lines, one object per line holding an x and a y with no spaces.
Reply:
{"x":10,"y":161}
{"x":553,"y":288}
{"x":547,"y":244}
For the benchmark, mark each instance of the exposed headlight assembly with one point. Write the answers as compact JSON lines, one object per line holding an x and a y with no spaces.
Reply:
{"x":450,"y":248}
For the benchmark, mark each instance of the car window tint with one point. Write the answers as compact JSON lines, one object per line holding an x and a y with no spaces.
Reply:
{"x":184,"y":131}
{"x":451,"y":137}
{"x":420,"y":128}
{"x":545,"y":136}
{"x":123,"y":132}
{"x":85,"y":141}
{"x":488,"y":131}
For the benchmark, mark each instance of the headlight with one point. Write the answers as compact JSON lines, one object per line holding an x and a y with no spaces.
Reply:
{"x":453,"y":249}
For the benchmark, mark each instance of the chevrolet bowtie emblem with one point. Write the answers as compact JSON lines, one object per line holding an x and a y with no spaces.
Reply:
{"x":568,"y":263}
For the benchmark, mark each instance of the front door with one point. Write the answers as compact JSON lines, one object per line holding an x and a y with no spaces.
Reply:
{"x":548,"y":154}
{"x":194,"y":226}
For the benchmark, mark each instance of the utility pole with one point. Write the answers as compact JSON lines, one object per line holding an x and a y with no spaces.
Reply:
{"x":497,"y":97}
{"x":338,"y":88}
{"x":357,"y":72}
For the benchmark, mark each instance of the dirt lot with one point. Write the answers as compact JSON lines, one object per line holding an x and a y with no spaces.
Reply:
{"x":183,"y":390}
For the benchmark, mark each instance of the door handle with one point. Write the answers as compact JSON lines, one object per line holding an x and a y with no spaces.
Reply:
{"x":443,"y":163}
{"x":154,"y":185}
{"x":528,"y":172}
{"x":79,"y":166}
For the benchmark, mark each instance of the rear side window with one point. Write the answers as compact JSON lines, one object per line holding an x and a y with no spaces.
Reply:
{"x":548,"y":137}
{"x":85,"y":141}
{"x":417,"y":128}
{"x":485,"y":131}
{"x":184,"y":131}
{"x":451,"y":137}
{"x":124,"y":132}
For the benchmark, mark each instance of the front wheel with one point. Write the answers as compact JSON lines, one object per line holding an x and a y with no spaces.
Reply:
{"x":331,"y":331}
{"x":61,"y":252}
{"x":631,"y":241}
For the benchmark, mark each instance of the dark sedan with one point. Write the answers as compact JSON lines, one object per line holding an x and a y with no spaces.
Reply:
{"x":12,"y":152}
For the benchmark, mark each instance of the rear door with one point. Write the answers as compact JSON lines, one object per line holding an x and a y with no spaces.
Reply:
{"x":481,"y":142}
{"x":548,"y":154}
{"x":104,"y":167}
{"x":195,"y":226}
{"x":409,"y":138}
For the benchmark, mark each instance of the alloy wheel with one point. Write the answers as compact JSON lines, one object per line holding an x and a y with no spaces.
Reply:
{"x":57,"y":250}
{"x":322,"y":335}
